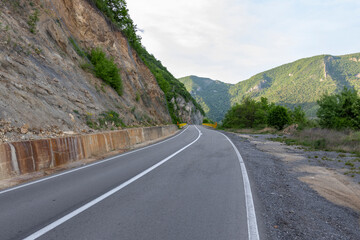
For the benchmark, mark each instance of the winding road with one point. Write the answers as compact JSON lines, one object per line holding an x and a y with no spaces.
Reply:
{"x":193,"y":185}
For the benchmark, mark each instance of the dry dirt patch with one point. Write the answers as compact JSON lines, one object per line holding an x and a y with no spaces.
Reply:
{"x":332,"y":186}
{"x":329,"y":183}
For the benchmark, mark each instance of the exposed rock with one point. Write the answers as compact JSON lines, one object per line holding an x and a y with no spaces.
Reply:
{"x":354,"y":59}
{"x":257,"y":87}
{"x":187,"y":111}
{"x":24,"y":129}
{"x":42,"y":83}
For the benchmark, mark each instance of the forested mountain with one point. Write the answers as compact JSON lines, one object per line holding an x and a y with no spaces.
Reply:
{"x":298,"y":83}
{"x":212,"y":95}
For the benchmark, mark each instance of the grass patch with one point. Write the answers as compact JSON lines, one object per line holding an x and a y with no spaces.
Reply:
{"x":266,"y":130}
{"x":33,"y":19}
{"x":349,"y":164}
{"x":352,"y":172}
{"x":346,"y":141}
{"x":137,"y":98}
{"x":76,"y":47}
{"x":106,"y":120}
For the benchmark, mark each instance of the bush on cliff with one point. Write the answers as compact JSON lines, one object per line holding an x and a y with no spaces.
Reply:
{"x":106,"y":69}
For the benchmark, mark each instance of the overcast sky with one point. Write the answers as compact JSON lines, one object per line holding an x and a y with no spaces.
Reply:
{"x":232,"y":40}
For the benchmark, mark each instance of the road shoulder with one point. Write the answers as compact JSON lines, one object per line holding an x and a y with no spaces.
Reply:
{"x":287,"y":200}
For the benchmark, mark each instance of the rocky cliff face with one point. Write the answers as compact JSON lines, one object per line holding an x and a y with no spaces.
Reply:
{"x":42,"y":85}
{"x":187,"y":111}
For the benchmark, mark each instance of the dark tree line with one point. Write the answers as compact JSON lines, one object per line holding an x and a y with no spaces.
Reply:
{"x":259,"y":114}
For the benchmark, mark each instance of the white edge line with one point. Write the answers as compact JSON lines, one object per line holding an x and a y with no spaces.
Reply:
{"x":253,"y":232}
{"x":89,"y":165}
{"x":65,"y":218}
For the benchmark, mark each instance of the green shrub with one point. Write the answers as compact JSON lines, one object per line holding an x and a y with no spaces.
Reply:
{"x":207,"y":120}
{"x":110,"y":118}
{"x":33,"y":19}
{"x":106,"y":69}
{"x":137,"y":98}
{"x":320,"y":144}
{"x":76,"y":47}
{"x":340,"y":111}
{"x":278,"y":117}
{"x":106,"y":120}
{"x":248,"y":114}
{"x":298,"y":115}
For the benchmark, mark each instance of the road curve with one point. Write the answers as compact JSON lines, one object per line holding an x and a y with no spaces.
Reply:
{"x":191,"y":186}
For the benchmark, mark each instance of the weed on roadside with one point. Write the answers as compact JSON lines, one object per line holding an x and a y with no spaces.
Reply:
{"x":106,"y":120}
{"x":346,"y":141}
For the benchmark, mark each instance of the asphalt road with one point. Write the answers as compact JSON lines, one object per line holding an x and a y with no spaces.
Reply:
{"x":191,"y":186}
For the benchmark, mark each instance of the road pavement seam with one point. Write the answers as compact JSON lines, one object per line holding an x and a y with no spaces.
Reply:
{"x":88,"y":165}
{"x":67,"y":217}
{"x":253,"y":232}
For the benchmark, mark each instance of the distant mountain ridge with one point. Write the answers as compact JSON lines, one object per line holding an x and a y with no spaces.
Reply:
{"x":301,"y":82}
{"x":212,"y":95}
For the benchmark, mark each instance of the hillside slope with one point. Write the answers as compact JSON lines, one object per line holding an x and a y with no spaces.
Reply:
{"x":212,"y":95}
{"x":303,"y":81}
{"x":298,"y":83}
{"x":45,"y":85}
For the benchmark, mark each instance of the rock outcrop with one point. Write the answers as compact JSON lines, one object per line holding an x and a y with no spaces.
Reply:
{"x":187,"y":111}
{"x":42,"y":84}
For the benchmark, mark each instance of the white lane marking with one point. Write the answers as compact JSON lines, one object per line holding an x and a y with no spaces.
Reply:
{"x":89,"y":165}
{"x":253,"y":232}
{"x":102,"y":197}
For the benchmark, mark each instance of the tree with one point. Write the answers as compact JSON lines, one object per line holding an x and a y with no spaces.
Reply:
{"x":298,"y":115}
{"x":356,"y":111}
{"x":278,"y":117}
{"x":248,"y":114}
{"x":340,"y":110}
{"x":117,"y":12}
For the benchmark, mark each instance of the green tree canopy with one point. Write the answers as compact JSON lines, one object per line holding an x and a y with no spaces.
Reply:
{"x":278,"y":117}
{"x":340,"y":111}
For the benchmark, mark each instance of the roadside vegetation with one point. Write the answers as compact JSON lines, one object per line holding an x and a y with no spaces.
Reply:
{"x":108,"y":120}
{"x":337,"y":127}
{"x":339,"y":124}
{"x":261,"y":114}
{"x":207,"y":120}
{"x":325,"y":139}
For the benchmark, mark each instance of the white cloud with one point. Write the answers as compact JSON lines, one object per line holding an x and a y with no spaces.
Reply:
{"x":231,"y":40}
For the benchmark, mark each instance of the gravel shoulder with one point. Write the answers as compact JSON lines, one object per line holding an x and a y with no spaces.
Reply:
{"x":301,"y":194}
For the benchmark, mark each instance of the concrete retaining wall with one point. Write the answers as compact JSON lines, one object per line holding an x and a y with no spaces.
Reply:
{"x":18,"y":158}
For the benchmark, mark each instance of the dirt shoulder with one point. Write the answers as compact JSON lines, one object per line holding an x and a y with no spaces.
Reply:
{"x":301,"y":194}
